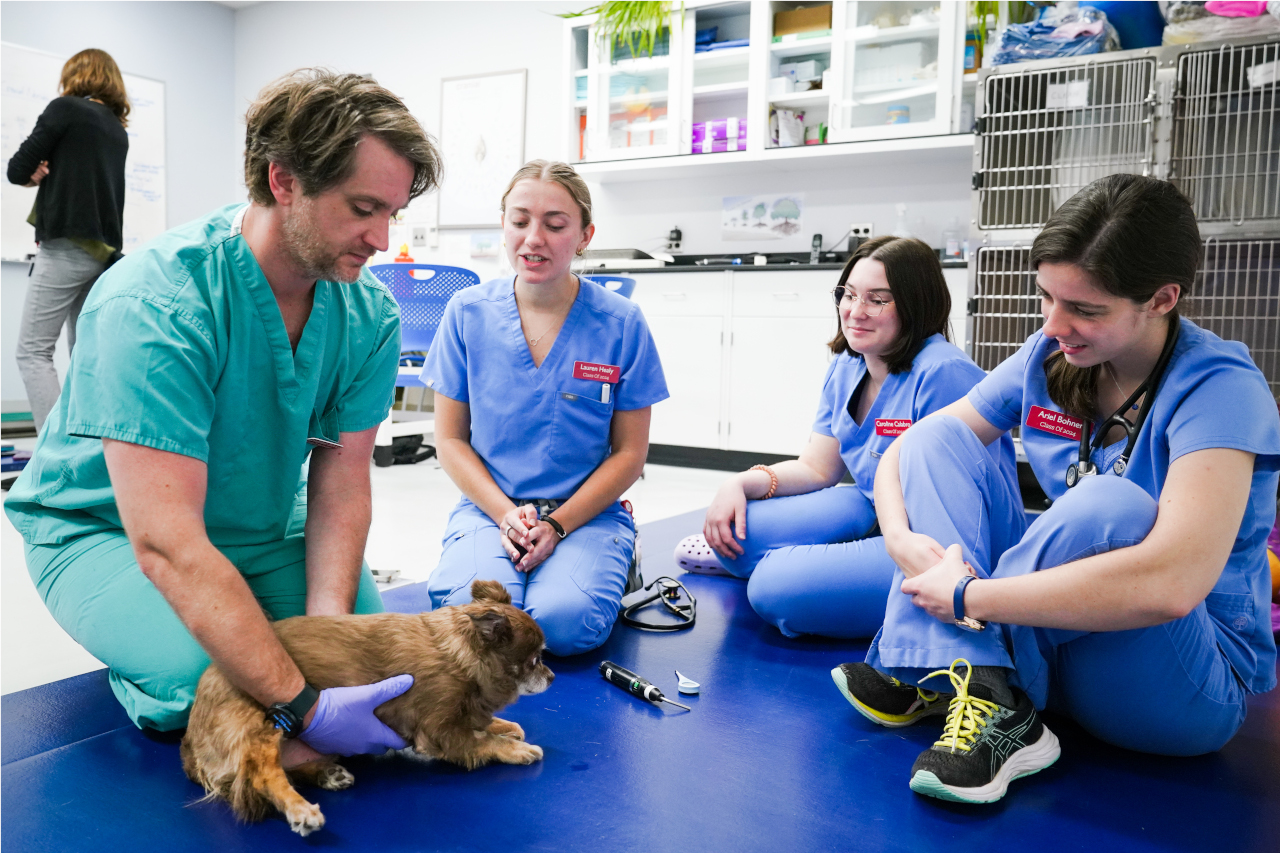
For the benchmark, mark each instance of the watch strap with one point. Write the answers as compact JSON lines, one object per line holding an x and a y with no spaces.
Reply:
{"x":288,"y":716}
{"x":957,"y":605}
{"x":555,"y":525}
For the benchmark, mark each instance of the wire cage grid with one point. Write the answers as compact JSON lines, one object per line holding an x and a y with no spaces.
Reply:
{"x":1236,"y":296}
{"x":1046,"y":129}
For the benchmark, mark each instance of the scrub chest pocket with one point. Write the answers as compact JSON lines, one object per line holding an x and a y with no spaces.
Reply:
{"x":580,"y":425}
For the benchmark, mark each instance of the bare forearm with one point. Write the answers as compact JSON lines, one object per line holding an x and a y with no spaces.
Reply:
{"x":337,"y":530}
{"x":212,"y":600}
{"x":460,"y":461}
{"x":891,"y":510}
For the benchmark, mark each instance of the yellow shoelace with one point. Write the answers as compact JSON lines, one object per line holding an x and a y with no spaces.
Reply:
{"x":967,"y":715}
{"x":926,"y":695}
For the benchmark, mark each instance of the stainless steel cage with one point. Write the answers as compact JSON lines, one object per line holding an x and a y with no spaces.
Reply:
{"x":1225,"y":139}
{"x":1236,"y":296}
{"x":1047,"y":129}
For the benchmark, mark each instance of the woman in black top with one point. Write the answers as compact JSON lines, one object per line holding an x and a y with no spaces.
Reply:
{"x":76,"y":155}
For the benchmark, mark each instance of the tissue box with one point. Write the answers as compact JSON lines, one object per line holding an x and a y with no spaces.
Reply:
{"x":722,"y":134}
{"x":807,"y":70}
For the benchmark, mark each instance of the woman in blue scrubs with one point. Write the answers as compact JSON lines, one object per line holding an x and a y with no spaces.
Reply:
{"x":814,"y":557}
{"x":543,"y":386}
{"x":1137,"y":604}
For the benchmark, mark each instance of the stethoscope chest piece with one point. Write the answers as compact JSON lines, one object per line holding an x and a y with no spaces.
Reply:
{"x":1078,"y":471}
{"x":1119,"y":467}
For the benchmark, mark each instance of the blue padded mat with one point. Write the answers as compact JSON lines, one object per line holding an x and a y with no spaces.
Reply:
{"x":771,"y":758}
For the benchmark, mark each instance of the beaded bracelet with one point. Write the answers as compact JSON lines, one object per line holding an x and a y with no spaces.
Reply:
{"x":773,"y":480}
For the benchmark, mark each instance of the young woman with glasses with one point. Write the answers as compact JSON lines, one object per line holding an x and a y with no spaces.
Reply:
{"x":811,"y":549}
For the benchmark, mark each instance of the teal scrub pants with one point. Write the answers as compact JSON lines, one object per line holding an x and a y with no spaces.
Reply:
{"x":95,"y":590}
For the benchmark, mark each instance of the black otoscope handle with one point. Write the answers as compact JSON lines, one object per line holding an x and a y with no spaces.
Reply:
{"x":629,"y":681}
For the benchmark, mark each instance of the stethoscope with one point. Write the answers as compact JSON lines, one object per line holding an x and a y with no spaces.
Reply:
{"x":1085,"y":467}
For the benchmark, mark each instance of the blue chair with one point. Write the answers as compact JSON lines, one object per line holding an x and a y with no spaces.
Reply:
{"x":421,"y":299}
{"x":619,"y":284}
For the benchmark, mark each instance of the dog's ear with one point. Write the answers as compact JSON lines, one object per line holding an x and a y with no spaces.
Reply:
{"x":490,"y":591}
{"x":493,"y":627}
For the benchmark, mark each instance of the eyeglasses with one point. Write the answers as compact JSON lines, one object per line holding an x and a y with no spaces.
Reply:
{"x":874,"y":303}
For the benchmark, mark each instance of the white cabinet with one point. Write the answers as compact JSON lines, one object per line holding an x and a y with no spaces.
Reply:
{"x":896,"y":68}
{"x":892,"y":70}
{"x":744,"y":354}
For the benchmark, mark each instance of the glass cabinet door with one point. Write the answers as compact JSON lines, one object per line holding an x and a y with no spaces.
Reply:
{"x":897,"y":68}
{"x":629,"y":97}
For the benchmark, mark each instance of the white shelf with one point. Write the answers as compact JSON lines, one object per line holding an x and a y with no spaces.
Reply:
{"x":800,"y":47}
{"x":901,"y":153}
{"x":720,"y":90}
{"x":800,"y":99}
{"x":884,"y":95}
{"x":641,"y":64}
{"x":650,"y":96}
{"x":582,"y":73}
{"x":892,"y":34}
{"x":718,"y":58}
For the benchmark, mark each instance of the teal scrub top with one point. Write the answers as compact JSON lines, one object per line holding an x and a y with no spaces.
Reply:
{"x":181,"y":347}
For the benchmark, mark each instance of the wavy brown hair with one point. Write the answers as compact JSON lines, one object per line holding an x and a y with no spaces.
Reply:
{"x":92,"y":73}
{"x":1131,"y":235}
{"x":920,"y":296}
{"x":310,"y":121}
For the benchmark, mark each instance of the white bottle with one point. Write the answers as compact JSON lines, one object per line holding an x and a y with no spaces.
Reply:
{"x":901,"y":230}
{"x":952,"y":244}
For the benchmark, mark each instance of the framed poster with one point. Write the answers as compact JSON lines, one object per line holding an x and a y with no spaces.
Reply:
{"x":482,"y":139}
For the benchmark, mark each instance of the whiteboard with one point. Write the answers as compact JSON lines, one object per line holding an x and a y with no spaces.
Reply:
{"x":482,"y":141}
{"x":29,"y":79}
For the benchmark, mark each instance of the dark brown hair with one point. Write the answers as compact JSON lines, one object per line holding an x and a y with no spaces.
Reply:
{"x":92,"y":73}
{"x":310,"y":121}
{"x":1131,"y":235}
{"x":920,"y":296}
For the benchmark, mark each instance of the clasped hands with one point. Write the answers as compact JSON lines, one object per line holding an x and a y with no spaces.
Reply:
{"x":932,"y":572}
{"x":527,"y":539}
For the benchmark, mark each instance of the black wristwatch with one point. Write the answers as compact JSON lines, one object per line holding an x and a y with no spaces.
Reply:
{"x":968,"y":623}
{"x":288,"y":716}
{"x":555,"y":525}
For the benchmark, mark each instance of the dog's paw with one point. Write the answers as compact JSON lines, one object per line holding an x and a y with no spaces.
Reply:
{"x":305,"y":818}
{"x":335,"y":777}
{"x":522,"y":753}
{"x":506,"y":728}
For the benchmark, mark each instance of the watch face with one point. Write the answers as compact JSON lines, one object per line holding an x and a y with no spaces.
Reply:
{"x":282,"y":718}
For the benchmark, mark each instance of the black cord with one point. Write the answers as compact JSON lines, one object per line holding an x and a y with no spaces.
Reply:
{"x":837,"y":242}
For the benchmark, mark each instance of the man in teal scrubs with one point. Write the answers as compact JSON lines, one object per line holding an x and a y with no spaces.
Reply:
{"x":166,"y":506}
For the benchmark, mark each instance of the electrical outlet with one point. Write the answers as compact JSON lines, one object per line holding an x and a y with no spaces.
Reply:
{"x":862,"y":231}
{"x":419,"y":236}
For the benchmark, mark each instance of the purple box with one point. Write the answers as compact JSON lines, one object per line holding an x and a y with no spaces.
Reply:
{"x":719,"y":134}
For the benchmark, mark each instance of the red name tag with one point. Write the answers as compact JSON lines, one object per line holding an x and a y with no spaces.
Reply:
{"x":892,"y":426}
{"x":1057,"y":423}
{"x":596,"y":372}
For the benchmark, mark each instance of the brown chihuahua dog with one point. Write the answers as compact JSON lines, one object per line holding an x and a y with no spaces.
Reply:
{"x":467,"y":663}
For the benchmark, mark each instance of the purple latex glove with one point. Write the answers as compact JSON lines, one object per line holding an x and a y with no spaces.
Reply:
{"x":344,"y":723}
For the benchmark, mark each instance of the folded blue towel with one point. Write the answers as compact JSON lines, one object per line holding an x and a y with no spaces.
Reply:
{"x":721,"y":45}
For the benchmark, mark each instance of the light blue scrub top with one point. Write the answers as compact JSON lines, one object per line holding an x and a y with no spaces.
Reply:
{"x":1212,"y":395}
{"x":181,"y":347}
{"x":940,"y":374}
{"x":541,"y":431}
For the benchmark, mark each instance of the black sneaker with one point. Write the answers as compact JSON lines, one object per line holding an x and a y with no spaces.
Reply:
{"x":984,"y":745}
{"x":885,"y":700}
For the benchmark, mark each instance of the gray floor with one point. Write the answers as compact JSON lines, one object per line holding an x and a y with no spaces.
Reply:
{"x":410,"y":506}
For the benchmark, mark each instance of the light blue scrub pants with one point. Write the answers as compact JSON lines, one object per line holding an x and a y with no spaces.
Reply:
{"x":1166,"y":689}
{"x":95,"y":590}
{"x":811,"y":570}
{"x":574,"y":595}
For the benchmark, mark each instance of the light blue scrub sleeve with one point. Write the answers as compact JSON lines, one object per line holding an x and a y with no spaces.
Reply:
{"x":365,"y":402}
{"x":144,"y":373}
{"x":1232,"y":409}
{"x":998,"y":397}
{"x":445,"y":368}
{"x":822,"y":422}
{"x":642,"y":382}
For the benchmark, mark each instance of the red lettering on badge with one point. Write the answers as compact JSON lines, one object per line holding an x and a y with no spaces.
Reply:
{"x":892,"y":426}
{"x":1055,"y":423}
{"x":596,"y":372}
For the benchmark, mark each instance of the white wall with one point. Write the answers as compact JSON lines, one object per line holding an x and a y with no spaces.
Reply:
{"x":188,"y":45}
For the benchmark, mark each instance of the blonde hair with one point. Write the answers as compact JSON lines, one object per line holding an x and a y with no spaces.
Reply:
{"x":92,"y":73}
{"x":559,"y":173}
